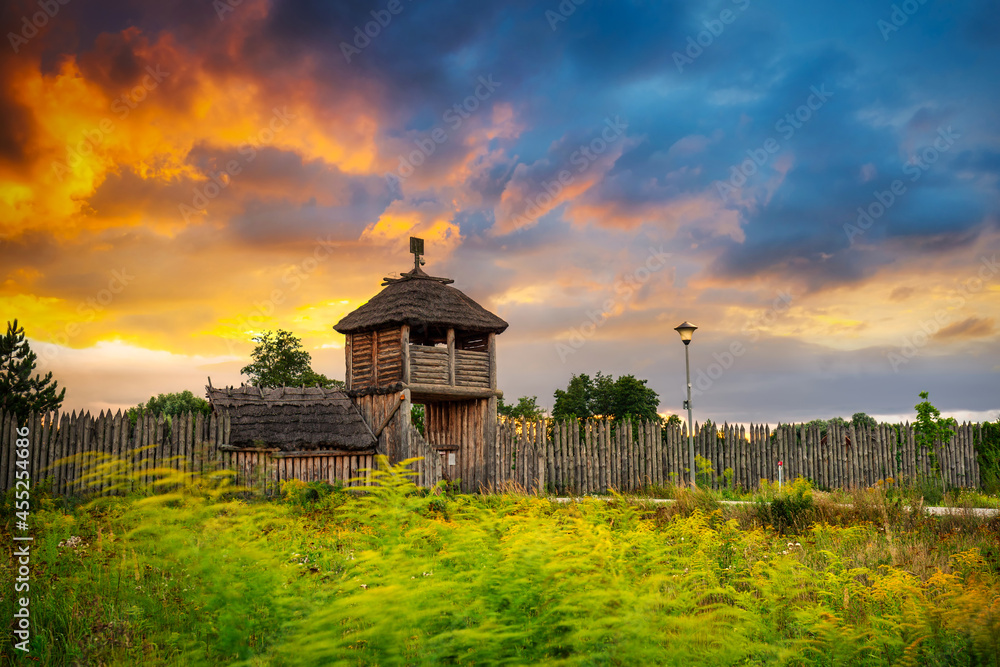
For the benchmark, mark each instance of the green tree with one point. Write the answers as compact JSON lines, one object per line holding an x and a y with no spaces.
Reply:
{"x":626,"y":397}
{"x":525,"y":407}
{"x":633,"y":399}
{"x":575,"y":400}
{"x":171,"y":404}
{"x":21,"y":393}
{"x":929,"y":429}
{"x":859,"y":419}
{"x":838,"y":421}
{"x":673,"y":420}
{"x":279,"y":360}
{"x":417,"y":414}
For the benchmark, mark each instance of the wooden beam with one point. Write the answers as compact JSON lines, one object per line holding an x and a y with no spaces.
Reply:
{"x":321,"y":452}
{"x":404,"y":341}
{"x":375,"y":368}
{"x":435,"y":391}
{"x":491,"y":350}
{"x":451,"y":356}
{"x":349,"y":365}
{"x":388,"y":416}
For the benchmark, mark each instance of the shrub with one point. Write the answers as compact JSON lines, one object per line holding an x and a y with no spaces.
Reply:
{"x":297,"y":492}
{"x":791,"y":509}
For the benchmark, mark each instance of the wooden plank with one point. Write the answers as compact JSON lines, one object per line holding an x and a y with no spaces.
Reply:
{"x":65,"y":433}
{"x":35,"y":449}
{"x":602,"y":456}
{"x":451,"y":356}
{"x":566,"y":478}
{"x":75,"y":440}
{"x":106,"y":448}
{"x":633,"y":450}
{"x":8,"y":454}
{"x":158,"y":442}
{"x":45,"y":450}
{"x":187,"y":438}
{"x":556,"y":457}
{"x":572,"y":441}
{"x":176,"y":426}
{"x":405,"y":347}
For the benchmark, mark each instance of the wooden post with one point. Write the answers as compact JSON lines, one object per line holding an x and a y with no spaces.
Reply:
{"x":451,"y":357}
{"x":491,"y":349}
{"x":348,"y":360}
{"x":404,"y":341}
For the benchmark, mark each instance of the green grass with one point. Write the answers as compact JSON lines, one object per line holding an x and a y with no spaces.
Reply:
{"x":921,"y":492}
{"x":201,"y":573}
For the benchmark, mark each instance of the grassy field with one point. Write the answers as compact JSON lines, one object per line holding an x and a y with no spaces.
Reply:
{"x":199,"y":575}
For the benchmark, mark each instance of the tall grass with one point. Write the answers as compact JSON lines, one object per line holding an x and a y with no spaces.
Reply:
{"x":198,"y":573}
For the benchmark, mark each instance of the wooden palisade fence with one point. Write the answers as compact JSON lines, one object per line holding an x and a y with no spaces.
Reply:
{"x":595,"y":455}
{"x":563,"y":457}
{"x":190,"y":442}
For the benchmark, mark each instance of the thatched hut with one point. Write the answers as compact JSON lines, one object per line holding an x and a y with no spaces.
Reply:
{"x":422,"y":341}
{"x":292,"y":419}
{"x":421,"y":332}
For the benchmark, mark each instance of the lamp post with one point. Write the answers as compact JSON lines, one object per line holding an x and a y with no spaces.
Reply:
{"x":686,"y":330}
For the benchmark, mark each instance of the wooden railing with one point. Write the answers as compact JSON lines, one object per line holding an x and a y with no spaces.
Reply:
{"x":430,"y":365}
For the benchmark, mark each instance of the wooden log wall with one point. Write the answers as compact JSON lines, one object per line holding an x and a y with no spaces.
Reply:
{"x":562,"y":457}
{"x":428,"y":365}
{"x":375,"y":409}
{"x":593,"y":456}
{"x":62,"y":448}
{"x":430,"y":468}
{"x":461,"y":425}
{"x":472,"y":368}
{"x":375,"y":358}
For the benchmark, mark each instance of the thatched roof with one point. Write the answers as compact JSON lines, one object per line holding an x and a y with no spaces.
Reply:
{"x":418,"y":299}
{"x":292,"y":418}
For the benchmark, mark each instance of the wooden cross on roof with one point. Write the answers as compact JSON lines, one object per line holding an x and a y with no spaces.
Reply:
{"x":417,"y":248}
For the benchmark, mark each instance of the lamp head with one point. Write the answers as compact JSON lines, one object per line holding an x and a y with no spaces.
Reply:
{"x":686,"y":330}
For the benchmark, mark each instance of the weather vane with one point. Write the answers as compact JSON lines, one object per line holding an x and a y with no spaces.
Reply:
{"x":417,"y":248}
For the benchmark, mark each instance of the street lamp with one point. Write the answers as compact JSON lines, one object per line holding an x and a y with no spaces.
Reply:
{"x":686,"y":330}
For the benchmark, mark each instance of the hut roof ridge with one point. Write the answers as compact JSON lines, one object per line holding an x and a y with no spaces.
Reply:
{"x":420,"y":300}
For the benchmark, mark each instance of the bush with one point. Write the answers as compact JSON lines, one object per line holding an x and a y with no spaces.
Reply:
{"x":791,"y":509}
{"x":297,"y":492}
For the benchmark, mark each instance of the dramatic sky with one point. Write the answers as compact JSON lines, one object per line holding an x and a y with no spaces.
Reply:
{"x":815,"y":185}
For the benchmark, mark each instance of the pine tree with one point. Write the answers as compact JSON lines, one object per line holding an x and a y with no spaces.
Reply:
{"x":21,"y":393}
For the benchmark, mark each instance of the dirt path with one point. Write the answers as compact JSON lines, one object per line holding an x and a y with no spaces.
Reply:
{"x":936,"y":511}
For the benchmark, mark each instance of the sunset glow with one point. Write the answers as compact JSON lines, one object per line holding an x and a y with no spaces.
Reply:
{"x":174,"y":178}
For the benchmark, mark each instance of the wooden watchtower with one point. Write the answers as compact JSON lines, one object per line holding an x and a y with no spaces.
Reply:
{"x":421,"y":341}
